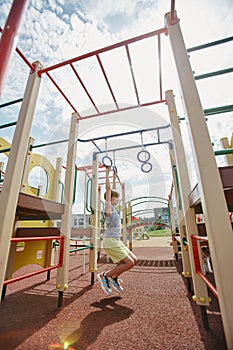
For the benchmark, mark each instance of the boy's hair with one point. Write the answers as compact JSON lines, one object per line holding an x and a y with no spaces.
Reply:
{"x":114,"y":193}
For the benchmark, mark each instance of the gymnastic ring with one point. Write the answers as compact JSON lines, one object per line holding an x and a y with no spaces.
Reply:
{"x":146,"y":154}
{"x":108,"y":159}
{"x":144,"y":169}
{"x":114,"y":169}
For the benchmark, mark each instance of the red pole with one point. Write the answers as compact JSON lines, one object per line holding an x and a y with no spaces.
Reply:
{"x":10,"y":36}
{"x":172,"y":11}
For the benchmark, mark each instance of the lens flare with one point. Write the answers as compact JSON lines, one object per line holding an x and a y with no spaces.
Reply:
{"x":60,"y":346}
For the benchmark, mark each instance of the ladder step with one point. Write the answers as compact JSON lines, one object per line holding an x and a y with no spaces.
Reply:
{"x":36,"y":208}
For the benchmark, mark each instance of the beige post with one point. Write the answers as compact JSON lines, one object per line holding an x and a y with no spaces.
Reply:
{"x":225,"y":145}
{"x":213,"y":201}
{"x":15,"y":166}
{"x":66,"y":220}
{"x":179,"y":206}
{"x":200,"y":287}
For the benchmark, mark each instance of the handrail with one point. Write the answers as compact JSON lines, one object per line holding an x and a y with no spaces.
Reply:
{"x":178,"y":186}
{"x":75,"y":182}
{"x":137,"y":198}
{"x":62,"y":191}
{"x":89,"y":209}
{"x":81,"y":247}
{"x":197,"y":263}
{"x":146,"y":202}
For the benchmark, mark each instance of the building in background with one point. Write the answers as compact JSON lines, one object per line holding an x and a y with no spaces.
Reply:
{"x":78,"y":220}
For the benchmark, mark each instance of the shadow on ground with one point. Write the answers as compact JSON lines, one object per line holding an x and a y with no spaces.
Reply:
{"x":27,"y":310}
{"x":215,"y":333}
{"x":108,"y":313}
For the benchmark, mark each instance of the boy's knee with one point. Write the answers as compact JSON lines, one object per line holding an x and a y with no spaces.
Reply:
{"x":134,"y":262}
{"x":131,"y":264}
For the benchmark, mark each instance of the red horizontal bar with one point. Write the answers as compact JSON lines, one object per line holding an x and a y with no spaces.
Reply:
{"x":25,"y":239}
{"x":123,"y":109}
{"x":209,"y":284}
{"x":107,"y":48}
{"x":200,"y":238}
{"x":198,"y":265}
{"x":19,"y":278}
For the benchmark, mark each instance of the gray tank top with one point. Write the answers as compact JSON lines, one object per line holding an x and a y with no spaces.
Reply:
{"x":113,"y":223}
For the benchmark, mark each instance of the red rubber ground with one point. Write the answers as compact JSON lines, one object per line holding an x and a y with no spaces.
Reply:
{"x":155,"y":311}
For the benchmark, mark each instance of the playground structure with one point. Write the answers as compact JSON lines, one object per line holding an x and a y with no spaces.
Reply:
{"x":214,"y":205}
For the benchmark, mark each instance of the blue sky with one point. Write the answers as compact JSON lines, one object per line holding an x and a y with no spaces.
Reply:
{"x":54,"y":31}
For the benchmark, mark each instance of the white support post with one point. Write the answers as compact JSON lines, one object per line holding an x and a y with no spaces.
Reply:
{"x":94,"y":216}
{"x":178,"y":195}
{"x":62,"y":274}
{"x":15,"y":167}
{"x":200,"y":287}
{"x":213,"y":201}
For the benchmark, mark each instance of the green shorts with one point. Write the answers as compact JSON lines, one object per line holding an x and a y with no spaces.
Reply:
{"x":115,"y":249}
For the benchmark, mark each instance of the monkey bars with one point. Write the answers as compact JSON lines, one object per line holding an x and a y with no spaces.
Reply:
{"x":98,"y":55}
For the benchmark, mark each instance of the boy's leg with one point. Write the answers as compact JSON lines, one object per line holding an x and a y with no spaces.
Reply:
{"x":133,"y":256}
{"x":104,"y":282}
{"x":124,"y":265}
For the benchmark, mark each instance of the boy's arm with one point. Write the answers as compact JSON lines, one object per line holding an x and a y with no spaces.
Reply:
{"x":108,"y":207}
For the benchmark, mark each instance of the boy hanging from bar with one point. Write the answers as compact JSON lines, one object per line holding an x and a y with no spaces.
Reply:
{"x":112,"y":243}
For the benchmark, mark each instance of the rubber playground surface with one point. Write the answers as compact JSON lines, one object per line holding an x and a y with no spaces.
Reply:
{"x":155,"y":311}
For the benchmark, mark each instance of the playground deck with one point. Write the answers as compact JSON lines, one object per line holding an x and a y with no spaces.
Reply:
{"x":155,"y":311}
